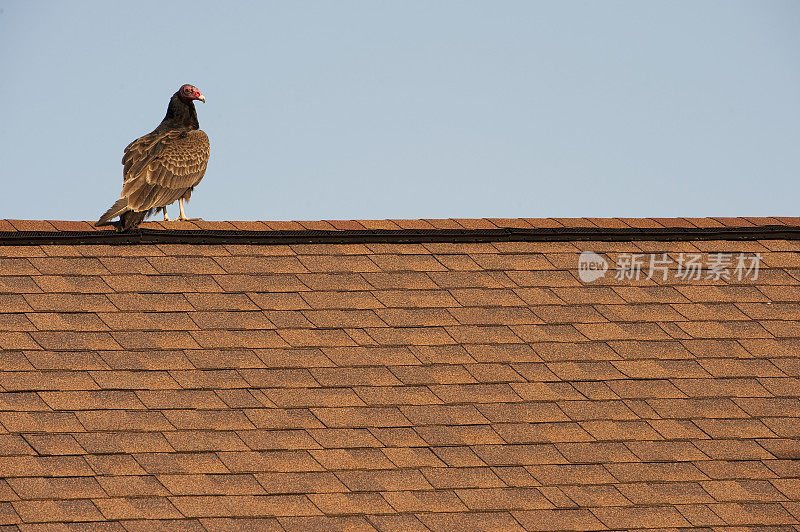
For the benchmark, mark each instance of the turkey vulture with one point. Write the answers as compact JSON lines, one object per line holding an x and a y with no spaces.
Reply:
{"x":162,"y":166}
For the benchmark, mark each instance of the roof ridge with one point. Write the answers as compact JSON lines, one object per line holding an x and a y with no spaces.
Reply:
{"x":428,"y":223}
{"x":148,"y":235}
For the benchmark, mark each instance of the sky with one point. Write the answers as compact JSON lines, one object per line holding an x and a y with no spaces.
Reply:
{"x":378,"y":109}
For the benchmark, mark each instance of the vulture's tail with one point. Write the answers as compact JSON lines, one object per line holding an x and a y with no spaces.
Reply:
{"x":127,"y":219}
{"x":116,"y":210}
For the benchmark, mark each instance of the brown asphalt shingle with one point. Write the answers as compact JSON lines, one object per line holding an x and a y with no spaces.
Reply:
{"x":396,"y":386}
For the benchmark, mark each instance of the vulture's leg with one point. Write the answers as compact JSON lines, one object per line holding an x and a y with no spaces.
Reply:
{"x":183,"y":214}
{"x":166,"y":217}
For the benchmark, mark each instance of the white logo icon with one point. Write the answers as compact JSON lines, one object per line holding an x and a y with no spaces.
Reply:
{"x":591,"y":266}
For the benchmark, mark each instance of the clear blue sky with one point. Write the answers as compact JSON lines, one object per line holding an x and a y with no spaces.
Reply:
{"x":411,"y":108}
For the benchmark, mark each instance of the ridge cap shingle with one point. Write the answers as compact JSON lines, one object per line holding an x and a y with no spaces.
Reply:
{"x":451,"y":223}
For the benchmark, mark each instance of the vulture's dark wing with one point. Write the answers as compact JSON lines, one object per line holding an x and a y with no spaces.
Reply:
{"x":161,"y":168}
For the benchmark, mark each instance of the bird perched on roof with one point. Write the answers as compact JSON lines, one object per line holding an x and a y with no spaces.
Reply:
{"x":162,"y":166}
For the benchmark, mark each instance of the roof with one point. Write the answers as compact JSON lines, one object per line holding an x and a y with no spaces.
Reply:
{"x":401,"y":385}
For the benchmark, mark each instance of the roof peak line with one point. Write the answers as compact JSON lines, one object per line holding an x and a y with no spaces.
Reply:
{"x":414,"y":235}
{"x":423,"y":223}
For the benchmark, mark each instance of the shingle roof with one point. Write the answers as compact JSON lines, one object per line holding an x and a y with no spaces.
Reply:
{"x":398,"y":386}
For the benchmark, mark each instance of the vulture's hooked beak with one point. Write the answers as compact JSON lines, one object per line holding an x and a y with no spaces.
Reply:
{"x":202,"y":98}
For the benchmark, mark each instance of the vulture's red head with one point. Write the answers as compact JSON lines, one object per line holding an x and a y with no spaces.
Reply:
{"x":187,"y":93}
